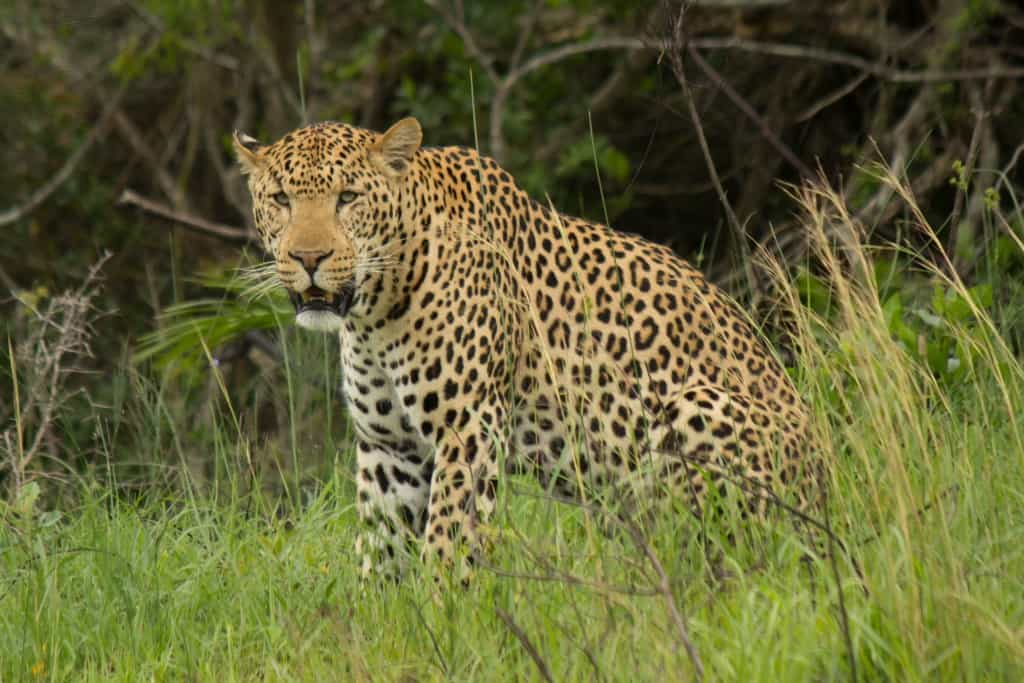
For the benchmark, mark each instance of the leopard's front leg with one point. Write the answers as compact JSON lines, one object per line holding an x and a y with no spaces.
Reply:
{"x":392,"y":492}
{"x":462,"y":496}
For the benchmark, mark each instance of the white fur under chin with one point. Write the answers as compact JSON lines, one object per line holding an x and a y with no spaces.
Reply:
{"x":321,"y":321}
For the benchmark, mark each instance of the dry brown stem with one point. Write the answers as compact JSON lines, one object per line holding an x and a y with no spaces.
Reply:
{"x":47,"y":358}
{"x":228,"y":233}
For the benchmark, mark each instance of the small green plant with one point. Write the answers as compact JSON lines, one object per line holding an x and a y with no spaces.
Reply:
{"x":249,"y":300}
{"x":933,"y":321}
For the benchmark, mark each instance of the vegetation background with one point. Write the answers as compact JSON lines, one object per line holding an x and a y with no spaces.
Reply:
{"x":173,"y":463}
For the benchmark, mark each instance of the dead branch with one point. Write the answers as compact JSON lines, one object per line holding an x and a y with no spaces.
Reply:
{"x":748,"y":110}
{"x":674,"y":50}
{"x":553,"y":576}
{"x":876,"y":69}
{"x":900,"y":136}
{"x":831,"y":98}
{"x":7,"y":281}
{"x":442,"y":664}
{"x":457,"y":22}
{"x":524,"y":640}
{"x":980,"y":122}
{"x":525,"y":34}
{"x":62,"y":336}
{"x":228,"y":233}
{"x":135,"y":139}
{"x":505,"y":85}
{"x":51,"y":49}
{"x":16,"y":213}
{"x":665,"y":588}
{"x":224,"y":61}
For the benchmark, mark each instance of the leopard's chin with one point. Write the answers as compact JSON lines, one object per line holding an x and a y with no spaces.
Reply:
{"x":320,"y":321}
{"x":317,"y":309}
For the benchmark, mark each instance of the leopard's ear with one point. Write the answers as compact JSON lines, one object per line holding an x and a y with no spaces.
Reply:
{"x":247,"y":149}
{"x":392,"y":153}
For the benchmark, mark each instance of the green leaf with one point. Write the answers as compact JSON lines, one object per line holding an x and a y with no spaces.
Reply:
{"x":25,"y":502}
{"x":49,"y":518}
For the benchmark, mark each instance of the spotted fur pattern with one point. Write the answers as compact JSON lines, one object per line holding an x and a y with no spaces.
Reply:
{"x":484,"y":329}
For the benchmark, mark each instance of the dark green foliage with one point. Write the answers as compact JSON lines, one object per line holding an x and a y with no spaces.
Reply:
{"x":566,"y":92}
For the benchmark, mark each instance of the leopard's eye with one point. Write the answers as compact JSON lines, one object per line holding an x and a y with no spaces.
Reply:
{"x":281,"y":198}
{"x":347,"y":197}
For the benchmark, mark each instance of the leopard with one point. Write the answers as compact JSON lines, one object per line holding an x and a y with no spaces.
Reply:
{"x":482,"y":333}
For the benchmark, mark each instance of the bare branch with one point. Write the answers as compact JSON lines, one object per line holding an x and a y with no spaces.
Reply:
{"x":831,"y":98}
{"x":553,"y":576}
{"x":442,"y":664}
{"x":224,"y":61}
{"x":7,"y":281}
{"x":524,"y":640}
{"x":665,"y":588}
{"x":674,"y":49}
{"x":980,"y":117}
{"x":877,"y":69}
{"x":43,"y":193}
{"x":134,"y":137}
{"x":525,"y":33}
{"x":62,"y":336}
{"x":505,"y":85}
{"x":52,"y":50}
{"x":745,"y":107}
{"x":229,"y":233}
{"x":915,"y":114}
{"x":456,"y":22}
{"x":573,"y":49}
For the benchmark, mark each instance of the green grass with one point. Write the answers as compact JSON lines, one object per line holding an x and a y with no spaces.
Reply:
{"x":249,"y":573}
{"x":208,"y":590}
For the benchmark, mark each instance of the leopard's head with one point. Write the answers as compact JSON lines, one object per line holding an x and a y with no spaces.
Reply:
{"x":326,"y":202}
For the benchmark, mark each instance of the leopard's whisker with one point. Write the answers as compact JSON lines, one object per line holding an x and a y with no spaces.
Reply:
{"x":260,"y":279}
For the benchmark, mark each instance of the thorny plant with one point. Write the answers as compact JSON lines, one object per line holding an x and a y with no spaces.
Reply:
{"x":41,"y":367}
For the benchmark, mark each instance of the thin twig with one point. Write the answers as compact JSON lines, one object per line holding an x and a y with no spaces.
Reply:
{"x":980,"y":121}
{"x":877,"y":69}
{"x":662,"y":589}
{"x":224,"y":61}
{"x":53,"y":51}
{"x":442,"y":664}
{"x":137,"y":141}
{"x":524,"y":640}
{"x":220,"y":230}
{"x":525,"y":33}
{"x":7,"y":281}
{"x":831,"y":98}
{"x":505,"y":85}
{"x":456,"y":21}
{"x":665,"y":588}
{"x":43,"y":193}
{"x":844,"y":617}
{"x":569,"y":579}
{"x":68,"y":318}
{"x":900,"y":136}
{"x":745,"y":107}
{"x":674,"y":49}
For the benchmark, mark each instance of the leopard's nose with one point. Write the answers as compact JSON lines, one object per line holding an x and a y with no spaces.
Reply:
{"x":310,"y":260}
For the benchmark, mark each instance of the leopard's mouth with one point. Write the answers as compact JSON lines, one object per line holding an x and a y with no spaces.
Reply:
{"x":316,"y":299}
